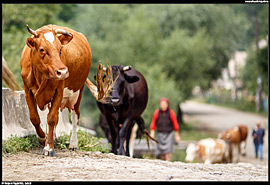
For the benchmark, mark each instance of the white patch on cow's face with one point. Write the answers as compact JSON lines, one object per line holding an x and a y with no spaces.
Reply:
{"x":49,"y":37}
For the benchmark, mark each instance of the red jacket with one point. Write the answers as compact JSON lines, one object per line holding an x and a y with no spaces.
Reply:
{"x":173,"y":119}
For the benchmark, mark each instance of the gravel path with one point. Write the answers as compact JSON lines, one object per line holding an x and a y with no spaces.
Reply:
{"x":88,"y":166}
{"x":219,"y":119}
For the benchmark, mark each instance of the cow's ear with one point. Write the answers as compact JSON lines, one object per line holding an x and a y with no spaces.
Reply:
{"x":65,"y":39}
{"x":131,"y":79}
{"x":30,"y":42}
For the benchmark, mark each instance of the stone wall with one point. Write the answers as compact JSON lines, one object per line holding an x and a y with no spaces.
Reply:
{"x":15,"y":117}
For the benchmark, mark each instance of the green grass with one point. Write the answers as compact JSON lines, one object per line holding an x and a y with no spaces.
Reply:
{"x":15,"y":144}
{"x":86,"y":142}
{"x":189,"y":132}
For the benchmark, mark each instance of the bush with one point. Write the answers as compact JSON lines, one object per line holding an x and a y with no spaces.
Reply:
{"x":86,"y":142}
{"x":15,"y":144}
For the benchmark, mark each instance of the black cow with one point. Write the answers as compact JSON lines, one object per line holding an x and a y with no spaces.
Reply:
{"x":128,"y":100}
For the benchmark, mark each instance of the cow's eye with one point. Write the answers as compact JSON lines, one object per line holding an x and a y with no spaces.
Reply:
{"x":41,"y":50}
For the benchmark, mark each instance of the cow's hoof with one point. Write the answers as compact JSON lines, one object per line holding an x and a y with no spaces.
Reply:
{"x":48,"y":153}
{"x":51,"y":153}
{"x":45,"y":152}
{"x":121,"y":152}
{"x":73,"y":148}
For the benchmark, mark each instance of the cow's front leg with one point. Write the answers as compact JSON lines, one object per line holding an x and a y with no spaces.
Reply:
{"x":123,"y":134}
{"x":114,"y":134}
{"x":34,"y":117}
{"x":73,"y":139}
{"x":52,"y":120}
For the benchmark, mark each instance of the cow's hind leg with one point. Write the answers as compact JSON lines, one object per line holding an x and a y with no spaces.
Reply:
{"x":127,"y":143}
{"x":73,"y":139}
{"x":243,"y":146}
{"x":75,"y":118}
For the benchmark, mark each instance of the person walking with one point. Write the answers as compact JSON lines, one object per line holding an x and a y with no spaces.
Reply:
{"x":164,"y":120}
{"x":258,"y":134}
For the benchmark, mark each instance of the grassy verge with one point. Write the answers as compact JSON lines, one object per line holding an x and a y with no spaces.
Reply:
{"x":16,"y":144}
{"x":189,"y":132}
{"x":86,"y":142}
{"x":238,"y":105}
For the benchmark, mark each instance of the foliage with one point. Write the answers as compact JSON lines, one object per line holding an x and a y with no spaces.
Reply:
{"x":15,"y":144}
{"x":249,"y":78}
{"x":86,"y":142}
{"x":186,"y":59}
{"x":175,"y":46}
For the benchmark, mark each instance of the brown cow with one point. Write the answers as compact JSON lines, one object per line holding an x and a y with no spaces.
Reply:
{"x":236,"y":137}
{"x":55,"y":64}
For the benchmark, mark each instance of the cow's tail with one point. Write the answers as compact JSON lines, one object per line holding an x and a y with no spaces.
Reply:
{"x":144,"y":131}
{"x":8,"y":77}
{"x":104,"y":85}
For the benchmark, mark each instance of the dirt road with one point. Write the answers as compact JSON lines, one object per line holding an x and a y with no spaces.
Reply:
{"x":88,"y":166}
{"x":218,"y":119}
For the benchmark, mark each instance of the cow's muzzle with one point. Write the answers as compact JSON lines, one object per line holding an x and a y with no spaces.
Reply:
{"x":115,"y":101}
{"x":62,"y":74}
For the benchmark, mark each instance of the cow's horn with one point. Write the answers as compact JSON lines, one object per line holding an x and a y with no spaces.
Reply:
{"x":126,"y":68}
{"x":33,"y":32}
{"x":100,"y":66}
{"x":61,"y":31}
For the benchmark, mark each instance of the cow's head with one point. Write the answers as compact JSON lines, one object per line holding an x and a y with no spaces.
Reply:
{"x":46,"y":50}
{"x":191,"y":152}
{"x":122,"y":79}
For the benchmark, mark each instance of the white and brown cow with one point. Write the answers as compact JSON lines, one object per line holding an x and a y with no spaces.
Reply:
{"x":208,"y":151}
{"x":236,"y":137}
{"x":55,"y":64}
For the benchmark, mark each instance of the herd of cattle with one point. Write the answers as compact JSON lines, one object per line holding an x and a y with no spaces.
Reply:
{"x":225,"y":149}
{"x":55,"y":64}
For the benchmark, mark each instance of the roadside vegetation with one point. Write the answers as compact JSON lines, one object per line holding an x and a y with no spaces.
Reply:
{"x":238,"y":104}
{"x":86,"y":142}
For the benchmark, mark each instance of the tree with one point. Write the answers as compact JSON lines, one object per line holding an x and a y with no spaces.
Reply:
{"x":257,"y":14}
{"x":186,"y":59}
